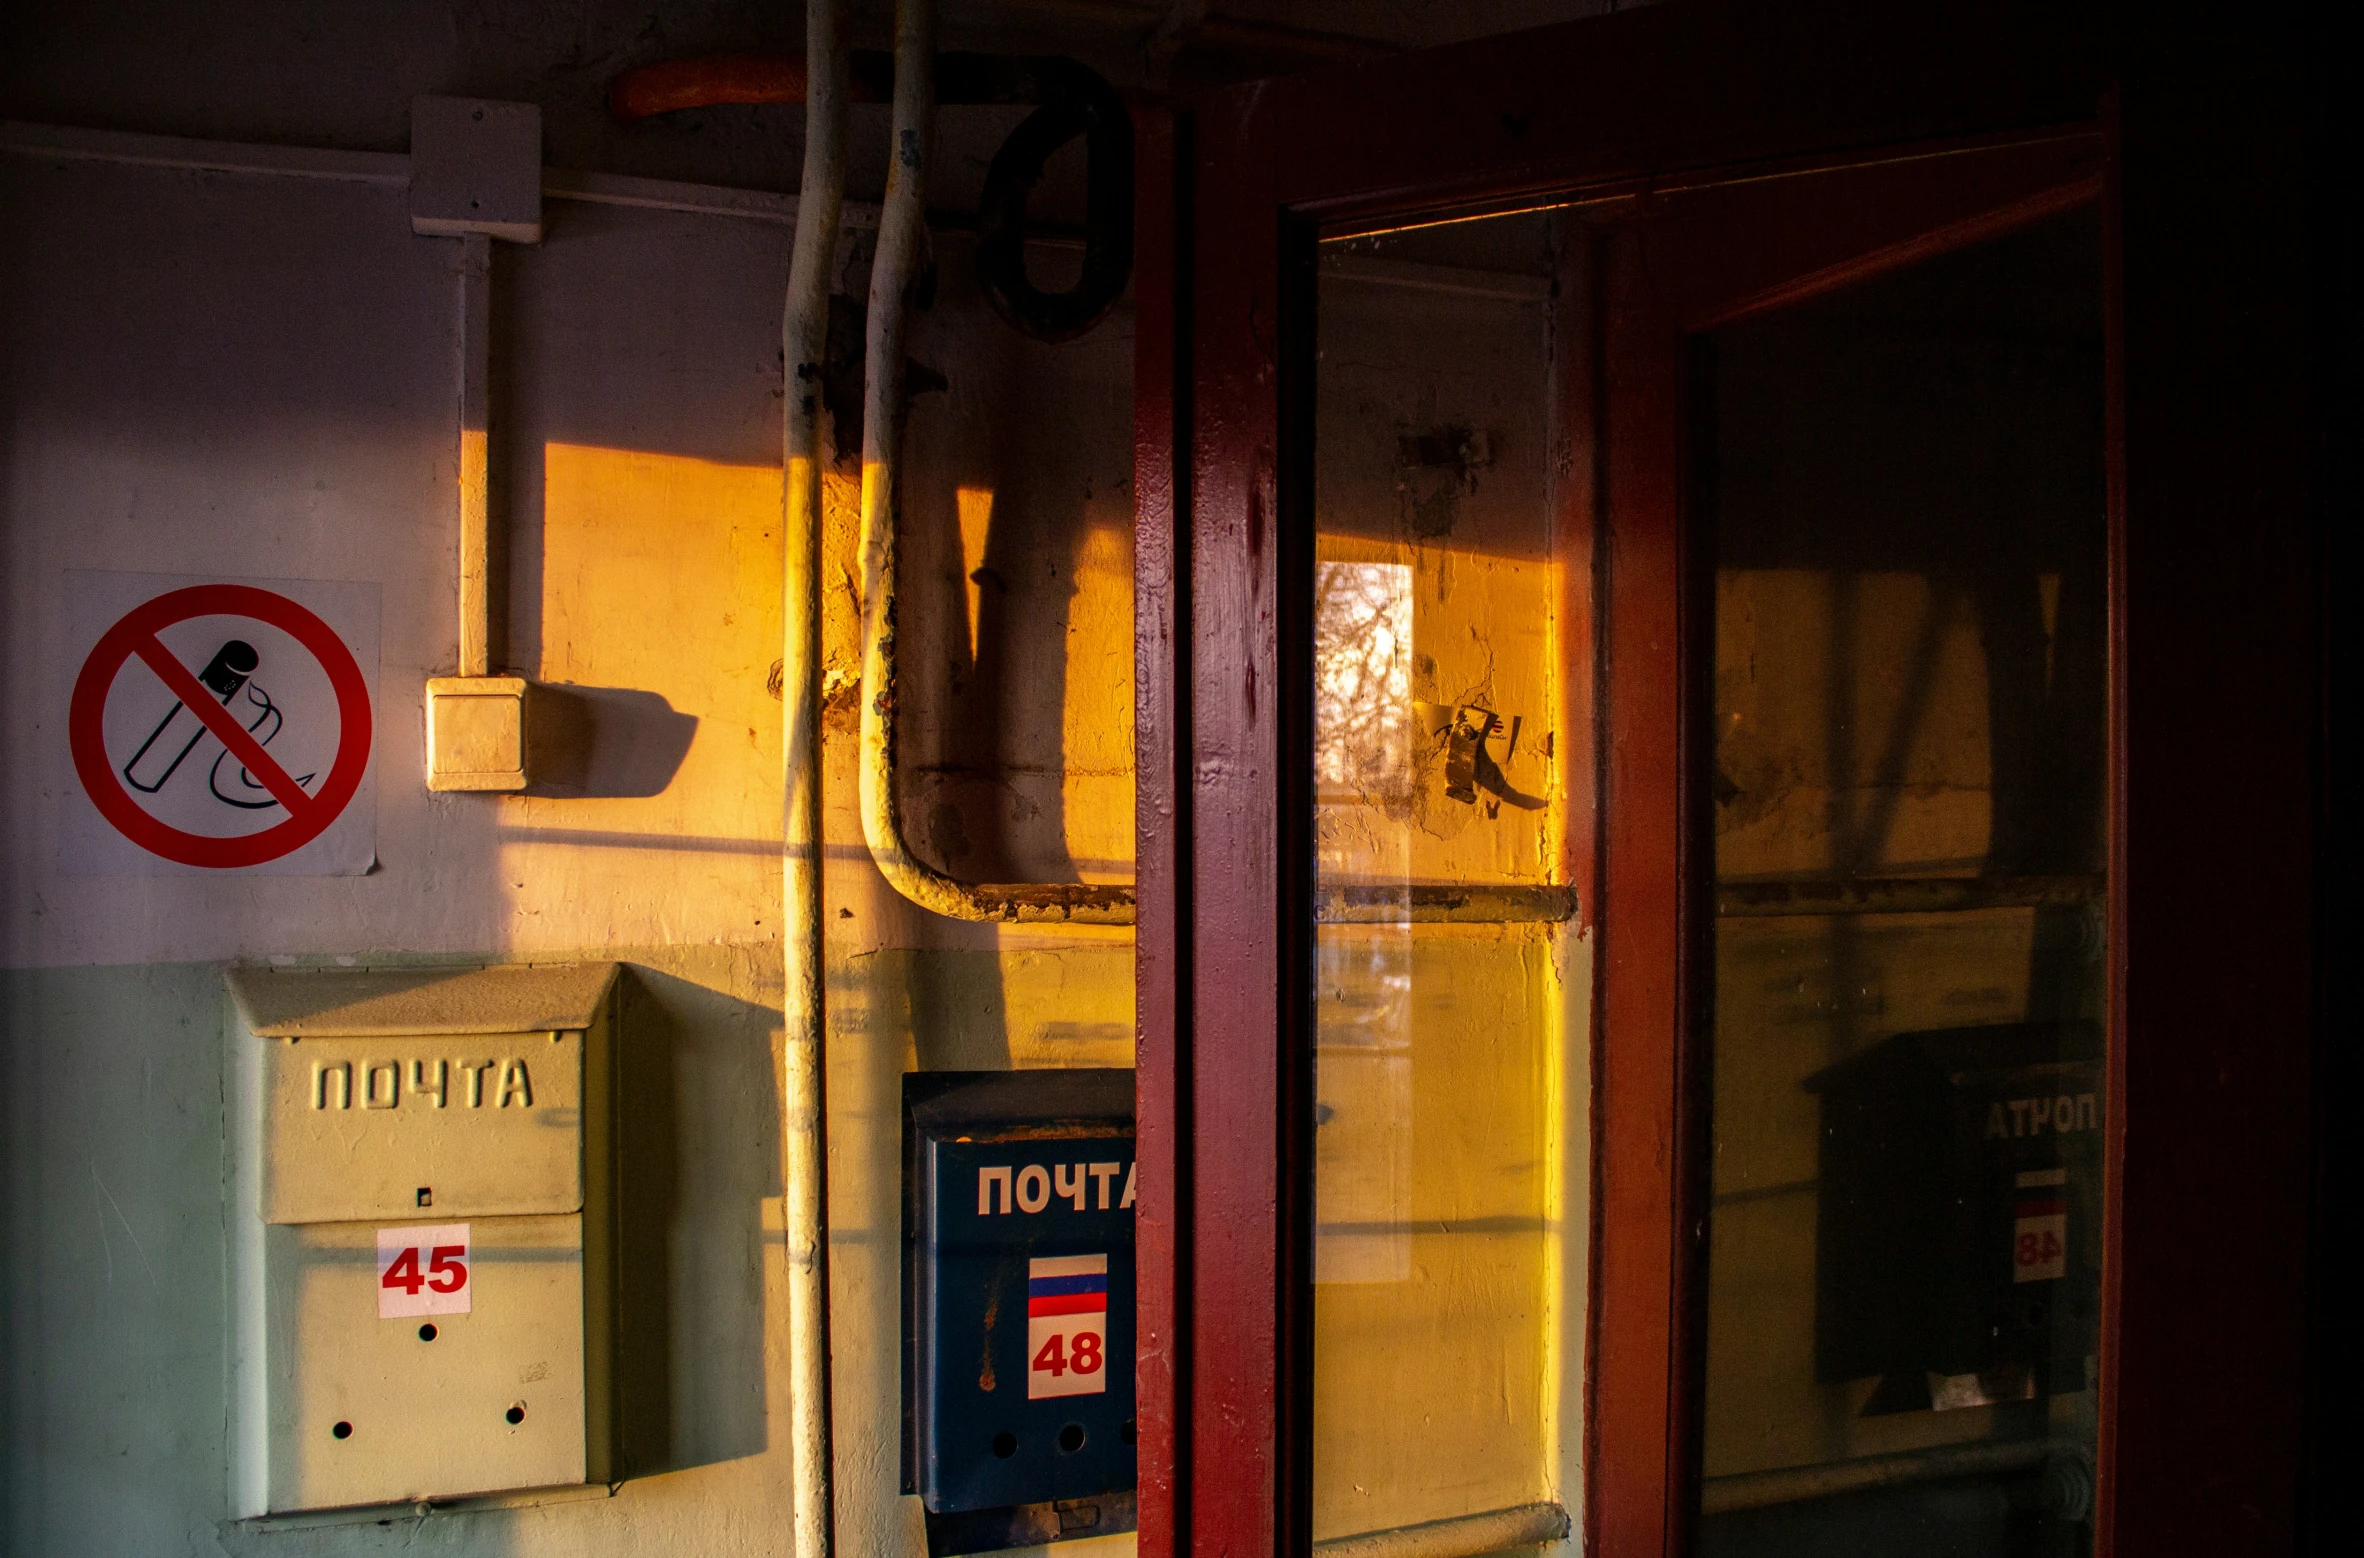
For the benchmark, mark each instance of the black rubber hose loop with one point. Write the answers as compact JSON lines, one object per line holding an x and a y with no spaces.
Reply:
{"x":1076,"y":102}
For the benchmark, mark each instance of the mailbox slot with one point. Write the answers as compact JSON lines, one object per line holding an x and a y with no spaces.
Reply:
{"x":466,"y":1125}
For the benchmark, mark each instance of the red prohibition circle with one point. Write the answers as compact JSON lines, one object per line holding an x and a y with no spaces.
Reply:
{"x":136,"y":635}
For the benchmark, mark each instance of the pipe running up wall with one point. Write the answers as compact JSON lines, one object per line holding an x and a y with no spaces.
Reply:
{"x":804,"y":344}
{"x":902,"y":252}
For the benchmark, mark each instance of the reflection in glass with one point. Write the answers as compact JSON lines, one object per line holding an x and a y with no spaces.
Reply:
{"x":1362,"y":760}
{"x":1904,"y":488}
{"x":1440,"y":1311}
{"x":1362,"y":679}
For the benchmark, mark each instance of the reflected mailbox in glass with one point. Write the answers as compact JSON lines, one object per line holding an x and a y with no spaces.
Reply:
{"x":1902,"y":488}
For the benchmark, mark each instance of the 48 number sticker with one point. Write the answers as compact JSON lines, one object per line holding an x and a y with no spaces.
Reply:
{"x":1067,"y":1326}
{"x":424,"y":1271}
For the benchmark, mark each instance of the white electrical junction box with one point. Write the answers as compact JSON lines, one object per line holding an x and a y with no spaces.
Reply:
{"x":423,"y":1208}
{"x":476,"y":167}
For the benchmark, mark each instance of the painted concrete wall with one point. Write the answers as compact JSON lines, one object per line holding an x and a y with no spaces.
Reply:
{"x":256,"y":377}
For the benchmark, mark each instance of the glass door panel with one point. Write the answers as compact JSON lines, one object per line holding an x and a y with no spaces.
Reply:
{"x":1894,"y":498}
{"x":1450,"y":1026}
{"x":1902,"y":488}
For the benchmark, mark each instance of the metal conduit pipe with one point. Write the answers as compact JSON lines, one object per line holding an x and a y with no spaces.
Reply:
{"x":902,"y":251}
{"x":1830,"y":1479}
{"x":804,"y":328}
{"x":1467,"y":1536}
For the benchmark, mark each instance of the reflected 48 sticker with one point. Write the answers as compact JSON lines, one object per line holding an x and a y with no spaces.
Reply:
{"x":1067,"y":1326}
{"x":2039,"y":1226}
{"x":424,"y":1271}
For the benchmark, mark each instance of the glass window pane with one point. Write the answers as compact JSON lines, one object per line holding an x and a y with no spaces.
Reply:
{"x":1903,"y":485}
{"x":1447,"y":1009}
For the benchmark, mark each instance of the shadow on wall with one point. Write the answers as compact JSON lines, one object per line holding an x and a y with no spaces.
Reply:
{"x":695,"y":1063}
{"x":600,"y":742}
{"x":1015,"y":637}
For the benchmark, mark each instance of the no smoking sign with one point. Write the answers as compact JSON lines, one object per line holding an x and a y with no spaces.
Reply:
{"x":221,"y":725}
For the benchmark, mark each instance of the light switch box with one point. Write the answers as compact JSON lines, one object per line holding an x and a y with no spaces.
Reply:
{"x":476,"y":167}
{"x":424,"y":1185}
{"x":476,"y":732}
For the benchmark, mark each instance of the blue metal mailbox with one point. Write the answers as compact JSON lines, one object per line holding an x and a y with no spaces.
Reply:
{"x":1018,"y":1292}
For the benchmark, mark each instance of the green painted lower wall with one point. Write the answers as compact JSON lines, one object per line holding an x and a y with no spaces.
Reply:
{"x":112,"y":1274}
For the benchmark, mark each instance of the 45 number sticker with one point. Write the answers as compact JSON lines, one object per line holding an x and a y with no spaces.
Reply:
{"x":424,"y":1271}
{"x":1067,"y":1326}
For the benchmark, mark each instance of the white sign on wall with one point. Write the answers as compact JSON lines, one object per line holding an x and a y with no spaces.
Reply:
{"x":219,"y":726}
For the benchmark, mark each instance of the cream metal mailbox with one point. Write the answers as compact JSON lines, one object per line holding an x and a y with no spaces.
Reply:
{"x":425,"y":1194}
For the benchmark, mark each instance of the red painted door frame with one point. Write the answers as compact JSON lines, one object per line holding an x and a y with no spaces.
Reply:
{"x":1162,"y":943}
{"x":2213,"y":734}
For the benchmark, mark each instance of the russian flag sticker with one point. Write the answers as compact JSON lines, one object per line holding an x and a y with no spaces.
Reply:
{"x":1067,"y":1326}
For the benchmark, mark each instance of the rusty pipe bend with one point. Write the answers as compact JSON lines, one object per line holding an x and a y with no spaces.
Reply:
{"x":901,"y":256}
{"x":897,"y":264}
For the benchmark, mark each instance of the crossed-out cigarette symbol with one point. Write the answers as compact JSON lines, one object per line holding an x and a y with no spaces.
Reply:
{"x":229,"y":677}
